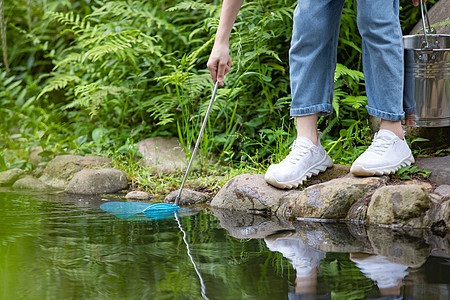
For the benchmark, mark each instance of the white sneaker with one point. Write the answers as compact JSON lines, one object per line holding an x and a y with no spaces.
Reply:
{"x":385,"y":155}
{"x":304,"y":160}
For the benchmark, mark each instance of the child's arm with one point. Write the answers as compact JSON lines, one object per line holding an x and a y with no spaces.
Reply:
{"x":219,"y":62}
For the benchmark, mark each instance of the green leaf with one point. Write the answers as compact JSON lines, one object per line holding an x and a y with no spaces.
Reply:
{"x":419,"y":139}
{"x":82,"y":139}
{"x":267,"y":78}
{"x":46,"y":153}
{"x":97,"y":135}
{"x":2,"y":163}
{"x":17,"y":164}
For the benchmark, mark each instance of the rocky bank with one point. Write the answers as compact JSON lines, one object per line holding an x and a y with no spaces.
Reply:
{"x":333,"y":195}
{"x":368,"y":200}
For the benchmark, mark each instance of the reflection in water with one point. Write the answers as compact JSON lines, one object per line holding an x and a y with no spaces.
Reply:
{"x":202,"y":283}
{"x":140,"y":211}
{"x":350,"y":260}
{"x":54,"y":247}
{"x":388,"y":276}
{"x":304,"y":259}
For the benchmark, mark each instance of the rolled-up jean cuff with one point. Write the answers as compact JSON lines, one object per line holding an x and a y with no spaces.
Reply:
{"x":409,"y":110}
{"x":384,"y":115}
{"x":321,"y":109}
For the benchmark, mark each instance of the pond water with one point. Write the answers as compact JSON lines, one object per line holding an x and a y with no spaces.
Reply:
{"x":61,"y":247}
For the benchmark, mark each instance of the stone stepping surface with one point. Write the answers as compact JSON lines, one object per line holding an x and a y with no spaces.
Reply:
{"x":368,"y":200}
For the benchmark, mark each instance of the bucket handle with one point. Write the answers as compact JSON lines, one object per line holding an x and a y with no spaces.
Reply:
{"x":430,"y":29}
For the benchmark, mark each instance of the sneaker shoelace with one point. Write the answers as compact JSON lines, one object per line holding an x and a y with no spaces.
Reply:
{"x":380,"y":144}
{"x":298,"y":150}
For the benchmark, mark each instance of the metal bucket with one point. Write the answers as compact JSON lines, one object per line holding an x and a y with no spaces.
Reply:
{"x":427,"y":78}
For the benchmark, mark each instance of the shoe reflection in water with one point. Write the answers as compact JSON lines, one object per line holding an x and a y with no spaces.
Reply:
{"x":387,"y":275}
{"x":304,"y":259}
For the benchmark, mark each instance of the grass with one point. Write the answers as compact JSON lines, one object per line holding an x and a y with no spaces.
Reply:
{"x":210,"y":178}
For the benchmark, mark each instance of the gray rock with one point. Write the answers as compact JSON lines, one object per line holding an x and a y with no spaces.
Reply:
{"x":61,"y":169}
{"x":242,"y":225}
{"x":38,"y":171}
{"x":361,"y":199}
{"x":440,"y":194}
{"x":249,"y":192}
{"x":440,"y":12}
{"x":188,"y":197}
{"x":329,"y":200}
{"x":332,"y":173}
{"x":399,"y":205}
{"x":137,"y":195}
{"x":399,"y":247}
{"x":34,"y":158}
{"x":8,"y":177}
{"x":439,"y":167}
{"x":438,"y":216}
{"x":425,"y":185}
{"x":443,"y":190}
{"x":101,"y":181}
{"x":163,"y":154}
{"x":30,"y":183}
{"x":358,"y":211}
{"x":330,"y":237}
{"x":440,"y":245}
{"x":436,"y":198}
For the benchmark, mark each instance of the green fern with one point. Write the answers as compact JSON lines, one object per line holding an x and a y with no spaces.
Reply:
{"x":93,"y":95}
{"x":101,"y":51}
{"x":161,"y":108}
{"x":193,"y":5}
{"x":57,"y":82}
{"x":341,"y":96}
{"x":342,"y":70}
{"x":74,"y":22}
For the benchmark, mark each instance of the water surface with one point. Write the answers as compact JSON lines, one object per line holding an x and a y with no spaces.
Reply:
{"x":65,"y":247}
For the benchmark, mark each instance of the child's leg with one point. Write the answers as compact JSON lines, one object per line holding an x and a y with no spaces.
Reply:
{"x":312,"y":56}
{"x":312,"y":61}
{"x":383,"y":63}
{"x":383,"y":57}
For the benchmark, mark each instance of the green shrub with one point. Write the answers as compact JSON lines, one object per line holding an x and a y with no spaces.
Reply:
{"x":95,"y":75}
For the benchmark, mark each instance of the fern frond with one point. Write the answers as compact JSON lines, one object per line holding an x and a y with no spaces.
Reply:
{"x":271,"y":53}
{"x":193,"y":56}
{"x":92,"y":95}
{"x":57,"y":82}
{"x":355,"y":101}
{"x":343,"y":70}
{"x":76,"y":24}
{"x":193,"y":5}
{"x":133,"y":10}
{"x":161,"y":108}
{"x":100,"y":51}
{"x":70,"y":58}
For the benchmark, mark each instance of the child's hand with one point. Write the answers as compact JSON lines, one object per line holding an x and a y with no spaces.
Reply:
{"x":219,"y":62}
{"x":416,"y":2}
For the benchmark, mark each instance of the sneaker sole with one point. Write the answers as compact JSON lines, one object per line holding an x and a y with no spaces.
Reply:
{"x":314,"y":170}
{"x":361,"y":171}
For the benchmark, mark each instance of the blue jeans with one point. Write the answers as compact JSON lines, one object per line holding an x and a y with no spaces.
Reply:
{"x":312,"y":56}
